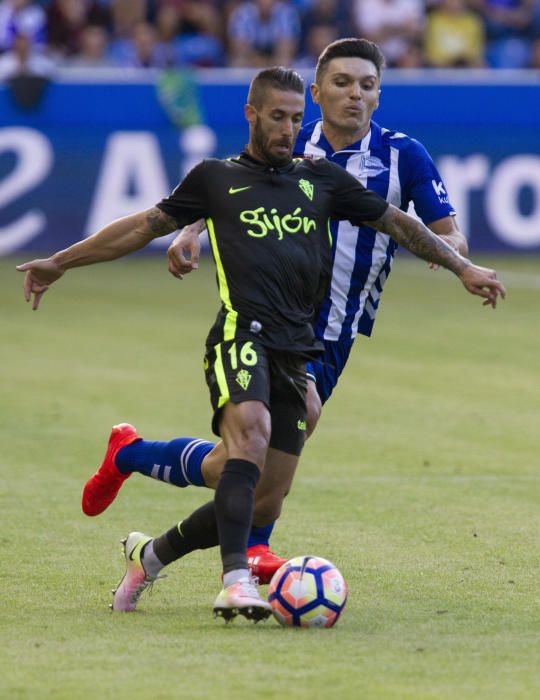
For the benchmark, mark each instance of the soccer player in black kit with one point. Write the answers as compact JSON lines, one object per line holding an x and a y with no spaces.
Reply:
{"x":267,"y":217}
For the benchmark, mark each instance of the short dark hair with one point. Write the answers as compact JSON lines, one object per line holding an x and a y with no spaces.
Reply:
{"x":275,"y":77}
{"x":350,"y":48}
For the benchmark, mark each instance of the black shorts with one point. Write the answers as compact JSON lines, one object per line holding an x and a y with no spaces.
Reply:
{"x":241,"y":371}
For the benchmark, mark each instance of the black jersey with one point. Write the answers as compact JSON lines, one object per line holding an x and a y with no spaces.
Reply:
{"x":270,"y":237}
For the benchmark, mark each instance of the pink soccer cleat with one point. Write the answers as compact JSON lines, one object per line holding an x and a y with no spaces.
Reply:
{"x":135,"y":580}
{"x":242,"y":598}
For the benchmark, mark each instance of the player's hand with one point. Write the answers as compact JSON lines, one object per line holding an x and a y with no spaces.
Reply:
{"x":39,"y":275}
{"x":484,"y":283}
{"x":183,"y":253}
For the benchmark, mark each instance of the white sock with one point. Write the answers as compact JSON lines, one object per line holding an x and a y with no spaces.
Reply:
{"x":233,"y":576}
{"x":151,"y":564}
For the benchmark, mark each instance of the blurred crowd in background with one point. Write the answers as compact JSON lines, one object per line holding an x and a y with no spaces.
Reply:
{"x":38,"y":36}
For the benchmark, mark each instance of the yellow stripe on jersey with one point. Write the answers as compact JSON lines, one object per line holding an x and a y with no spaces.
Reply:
{"x":329,"y":232}
{"x":229,"y":328}
{"x":224,"y":395}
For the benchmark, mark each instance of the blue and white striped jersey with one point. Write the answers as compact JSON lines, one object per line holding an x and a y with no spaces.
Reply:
{"x":399,"y":169}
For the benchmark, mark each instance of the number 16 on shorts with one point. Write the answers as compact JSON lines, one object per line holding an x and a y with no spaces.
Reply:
{"x":237,"y":371}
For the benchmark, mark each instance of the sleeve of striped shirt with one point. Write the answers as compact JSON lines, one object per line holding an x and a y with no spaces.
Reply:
{"x":424,"y":185}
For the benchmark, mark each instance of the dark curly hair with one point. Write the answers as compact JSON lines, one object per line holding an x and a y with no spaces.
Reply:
{"x":349,"y":48}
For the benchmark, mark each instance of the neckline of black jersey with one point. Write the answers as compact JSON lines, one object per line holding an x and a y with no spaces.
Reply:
{"x":261,"y":165}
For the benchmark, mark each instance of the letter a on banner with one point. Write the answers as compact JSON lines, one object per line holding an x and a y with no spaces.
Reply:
{"x":132,"y":178}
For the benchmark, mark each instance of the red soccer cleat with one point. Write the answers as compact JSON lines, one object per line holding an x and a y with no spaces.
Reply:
{"x":101,"y":489}
{"x":263,"y":563}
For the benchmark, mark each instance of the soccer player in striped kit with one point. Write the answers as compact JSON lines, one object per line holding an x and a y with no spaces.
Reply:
{"x":347,"y":88}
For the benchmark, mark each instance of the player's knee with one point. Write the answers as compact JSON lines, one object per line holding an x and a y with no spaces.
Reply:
{"x":246,"y":431}
{"x":213,"y":464}
{"x":253,"y":441}
{"x":257,"y":435}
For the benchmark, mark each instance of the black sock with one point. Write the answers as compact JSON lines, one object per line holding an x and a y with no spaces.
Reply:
{"x":199,"y":531}
{"x":234,"y":511}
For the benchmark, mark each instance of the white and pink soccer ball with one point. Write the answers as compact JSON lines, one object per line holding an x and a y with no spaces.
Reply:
{"x":307,"y":592}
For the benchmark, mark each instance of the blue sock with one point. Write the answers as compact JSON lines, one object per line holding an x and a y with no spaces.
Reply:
{"x":177,"y":462}
{"x":260,"y":535}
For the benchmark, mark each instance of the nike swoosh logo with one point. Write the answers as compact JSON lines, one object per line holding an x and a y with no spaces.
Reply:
{"x":234,"y":190}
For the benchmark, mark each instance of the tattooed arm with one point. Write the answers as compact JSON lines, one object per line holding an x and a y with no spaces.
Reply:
{"x":413,"y":235}
{"x":118,"y":238}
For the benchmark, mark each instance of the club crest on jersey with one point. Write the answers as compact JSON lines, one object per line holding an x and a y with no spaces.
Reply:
{"x":243,"y":378}
{"x":262,"y":222}
{"x":307,"y":188}
{"x":372,"y":166}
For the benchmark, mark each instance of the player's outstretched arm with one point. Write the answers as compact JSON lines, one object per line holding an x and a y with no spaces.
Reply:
{"x":118,"y":238}
{"x":183,"y":253}
{"x":417,"y":238}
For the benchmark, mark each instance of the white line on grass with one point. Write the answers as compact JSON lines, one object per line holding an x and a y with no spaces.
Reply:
{"x":456,"y":478}
{"x":449,"y":477}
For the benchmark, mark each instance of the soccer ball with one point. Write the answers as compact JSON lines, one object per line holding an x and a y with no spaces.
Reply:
{"x":307,"y":592}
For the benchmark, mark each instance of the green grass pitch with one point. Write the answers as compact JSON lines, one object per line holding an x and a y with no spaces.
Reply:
{"x":421,"y":485}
